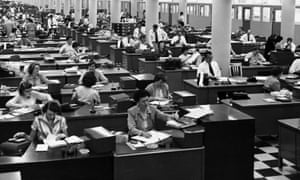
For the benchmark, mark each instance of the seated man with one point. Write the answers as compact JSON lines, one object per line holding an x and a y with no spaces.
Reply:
{"x":295,"y":67}
{"x":100,"y":77}
{"x":190,"y":57}
{"x":272,"y":83}
{"x":24,"y":41}
{"x":178,"y":39}
{"x":159,"y":89}
{"x":67,"y":48}
{"x":289,"y":45}
{"x":142,"y":116}
{"x":209,"y":66}
{"x":255,"y":57}
{"x":248,"y":37}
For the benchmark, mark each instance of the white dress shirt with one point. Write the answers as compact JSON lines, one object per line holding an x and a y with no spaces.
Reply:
{"x":162,"y":35}
{"x":244,"y":38}
{"x":295,"y":67}
{"x":179,"y":41}
{"x":137,"y":32}
{"x":292,"y":46}
{"x":204,"y":67}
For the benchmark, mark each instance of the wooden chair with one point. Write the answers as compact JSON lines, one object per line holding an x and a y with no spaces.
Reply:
{"x":236,"y":69}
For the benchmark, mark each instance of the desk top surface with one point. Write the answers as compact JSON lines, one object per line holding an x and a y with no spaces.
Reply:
{"x":291,"y":123}
{"x":258,"y":100}
{"x":214,"y":84}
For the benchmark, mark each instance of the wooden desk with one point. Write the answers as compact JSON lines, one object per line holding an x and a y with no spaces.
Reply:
{"x":36,"y":50}
{"x":289,"y":141}
{"x":209,"y":94}
{"x":105,"y":92}
{"x":150,"y":66}
{"x":260,"y":70}
{"x":49,"y":44}
{"x":130,"y":61}
{"x":175,"y":77}
{"x":163,"y":163}
{"x":228,"y":142}
{"x":40,"y":165}
{"x":266,"y":114}
{"x":85,"y":40}
{"x":11,"y":175}
{"x":103,"y":46}
{"x":56,"y":56}
{"x":242,"y":48}
{"x":116,"y":54}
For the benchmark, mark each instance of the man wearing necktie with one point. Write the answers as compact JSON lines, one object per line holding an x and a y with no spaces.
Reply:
{"x":209,"y":66}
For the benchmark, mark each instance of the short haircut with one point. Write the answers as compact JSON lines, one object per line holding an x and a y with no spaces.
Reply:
{"x":68,"y":37}
{"x":92,"y":62}
{"x":289,"y":39}
{"x":75,"y":44}
{"x":276,"y":71}
{"x":160,"y":76}
{"x":140,"y":94}
{"x":89,"y":79}
{"x":155,"y":26}
{"x":31,"y":67}
{"x":53,"y":106}
{"x":23,"y":86}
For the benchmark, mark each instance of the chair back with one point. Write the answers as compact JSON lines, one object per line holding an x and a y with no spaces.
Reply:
{"x":236,"y":69}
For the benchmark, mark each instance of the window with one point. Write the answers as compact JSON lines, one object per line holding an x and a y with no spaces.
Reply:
{"x":266,"y":14}
{"x":201,"y":11}
{"x":297,"y":16}
{"x":240,"y":12}
{"x":206,"y":10}
{"x":256,"y":14}
{"x":277,"y":15}
{"x":247,"y":14}
{"x":232,"y":13}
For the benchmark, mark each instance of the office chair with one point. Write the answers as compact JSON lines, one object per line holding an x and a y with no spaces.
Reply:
{"x":236,"y":69}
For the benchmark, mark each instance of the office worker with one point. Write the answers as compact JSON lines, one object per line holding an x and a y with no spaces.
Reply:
{"x":289,"y":45}
{"x":92,"y":67}
{"x":24,"y":41}
{"x":142,"y":117}
{"x":156,"y":35}
{"x":85,"y":93}
{"x":190,"y":57}
{"x":50,"y":122}
{"x":139,"y":31}
{"x":67,"y":48}
{"x":248,"y":37}
{"x":159,"y":89}
{"x":179,"y":39}
{"x":209,"y":66}
{"x":272,"y":83}
{"x":127,"y":41}
{"x":295,"y":67}
{"x":141,"y":44}
{"x":34,"y":77}
{"x":254,"y":57}
{"x":26,"y":97}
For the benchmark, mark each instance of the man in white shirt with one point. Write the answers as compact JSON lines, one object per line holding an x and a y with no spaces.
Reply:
{"x":181,"y":18}
{"x":67,"y":48}
{"x":209,"y":66}
{"x":138,"y":31}
{"x":289,"y":45}
{"x":248,"y":37}
{"x":156,"y":35}
{"x":295,"y":67}
{"x":179,"y":39}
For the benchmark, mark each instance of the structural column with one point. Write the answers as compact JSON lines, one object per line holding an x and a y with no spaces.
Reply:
{"x":182,"y":8}
{"x":78,"y":10}
{"x":66,"y":7}
{"x":133,"y":8}
{"x":288,"y":18}
{"x":58,"y":6}
{"x":151,"y":14}
{"x":51,"y":4}
{"x":115,"y":11}
{"x":221,"y":33}
{"x":93,"y":12}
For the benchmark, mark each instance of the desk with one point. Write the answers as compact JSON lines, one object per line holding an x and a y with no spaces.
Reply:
{"x":103,"y":46}
{"x":160,"y":164}
{"x":11,"y":175}
{"x":260,"y":70}
{"x":92,"y":41}
{"x":53,"y":165}
{"x":150,"y":66}
{"x":175,"y":77}
{"x":116,"y":54}
{"x":85,"y":40}
{"x":130,"y":61}
{"x":266,"y":114}
{"x":228,"y":142}
{"x":289,"y":141}
{"x":105,"y":92}
{"x":36,"y":50}
{"x":242,"y":48}
{"x":209,"y":94}
{"x":56,"y":56}
{"x":49,"y":44}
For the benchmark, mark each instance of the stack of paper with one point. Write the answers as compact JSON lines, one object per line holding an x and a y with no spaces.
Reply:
{"x":197,"y":113}
{"x":156,"y":137}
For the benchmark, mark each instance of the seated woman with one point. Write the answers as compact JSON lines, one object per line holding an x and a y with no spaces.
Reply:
{"x":179,"y":39}
{"x":159,"y":89}
{"x":24,"y":41}
{"x":190,"y":57}
{"x":34,"y":77}
{"x":255,"y":57}
{"x":142,"y":116}
{"x":272,"y":83}
{"x":67,"y":48}
{"x":142,"y":44}
{"x":26,"y":97}
{"x":100,"y":77}
{"x":84,"y":93}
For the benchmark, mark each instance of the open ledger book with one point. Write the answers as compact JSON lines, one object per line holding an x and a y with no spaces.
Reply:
{"x":53,"y":143}
{"x":156,"y":137}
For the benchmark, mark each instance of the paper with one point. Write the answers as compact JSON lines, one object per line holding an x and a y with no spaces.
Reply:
{"x":41,"y":148}
{"x":270,"y":100}
{"x":102,"y":131}
{"x":161,"y":103}
{"x":6,"y":116}
{"x":197,"y":113}
{"x":40,"y":87}
{"x":21,"y":111}
{"x":74,"y":140}
{"x":156,"y":137}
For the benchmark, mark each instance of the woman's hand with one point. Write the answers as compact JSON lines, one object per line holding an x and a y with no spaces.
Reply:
{"x":146,"y":134}
{"x":60,"y":136}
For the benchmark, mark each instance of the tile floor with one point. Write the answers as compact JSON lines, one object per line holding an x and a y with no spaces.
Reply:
{"x":266,"y":162}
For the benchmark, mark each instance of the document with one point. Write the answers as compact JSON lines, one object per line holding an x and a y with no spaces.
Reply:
{"x":156,"y":137}
{"x":41,"y":148}
{"x":197,"y":113}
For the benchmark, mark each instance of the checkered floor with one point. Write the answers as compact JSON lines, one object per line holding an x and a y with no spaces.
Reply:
{"x":266,"y":162}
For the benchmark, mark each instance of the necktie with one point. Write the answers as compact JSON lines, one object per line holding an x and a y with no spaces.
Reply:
{"x":248,"y":37}
{"x":156,"y":37}
{"x":211,"y":70}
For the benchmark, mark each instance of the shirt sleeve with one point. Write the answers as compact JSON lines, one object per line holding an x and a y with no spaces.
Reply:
{"x":14,"y":102}
{"x":131,"y":123}
{"x":160,"y":115}
{"x":35,"y":124}
{"x":275,"y":86}
{"x":217,"y":69}
{"x":42,"y":96}
{"x":62,"y":49}
{"x":102,"y":76}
